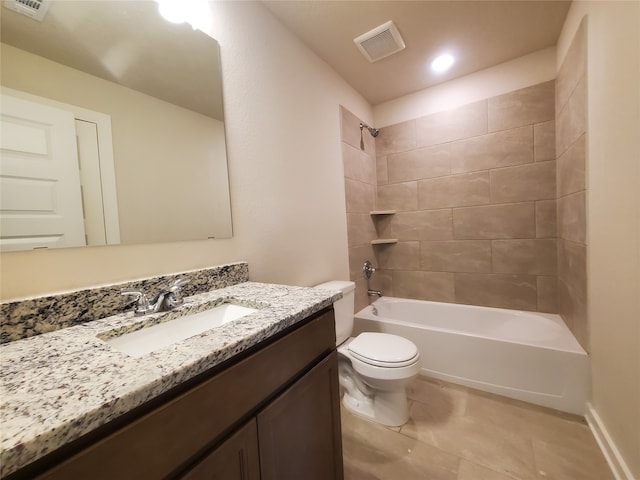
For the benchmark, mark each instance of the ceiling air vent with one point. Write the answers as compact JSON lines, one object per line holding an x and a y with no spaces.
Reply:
{"x":35,"y":9}
{"x":380,"y":42}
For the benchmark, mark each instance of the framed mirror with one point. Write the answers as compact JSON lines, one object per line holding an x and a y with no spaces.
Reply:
{"x":155,"y":87}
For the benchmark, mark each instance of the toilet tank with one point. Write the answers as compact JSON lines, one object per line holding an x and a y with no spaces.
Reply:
{"x":343,"y":308}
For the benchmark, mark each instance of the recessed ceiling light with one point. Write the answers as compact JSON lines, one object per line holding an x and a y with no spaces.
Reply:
{"x":172,"y":11}
{"x":442,"y":63}
{"x":180,"y":11}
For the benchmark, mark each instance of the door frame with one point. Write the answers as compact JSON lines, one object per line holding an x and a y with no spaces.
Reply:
{"x":107,"y":180}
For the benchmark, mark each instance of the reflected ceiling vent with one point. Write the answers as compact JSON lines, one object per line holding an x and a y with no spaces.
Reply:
{"x":35,"y":9}
{"x":380,"y":42}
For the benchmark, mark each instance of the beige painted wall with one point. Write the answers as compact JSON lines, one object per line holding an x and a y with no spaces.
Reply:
{"x":285,"y":167}
{"x":537,"y":67}
{"x":613,"y":216}
{"x":157,"y":146}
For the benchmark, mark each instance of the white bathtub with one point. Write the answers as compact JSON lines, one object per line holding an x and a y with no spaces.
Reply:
{"x":528,"y":356}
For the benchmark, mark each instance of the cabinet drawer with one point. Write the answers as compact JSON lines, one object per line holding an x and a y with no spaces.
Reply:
{"x":162,"y":442}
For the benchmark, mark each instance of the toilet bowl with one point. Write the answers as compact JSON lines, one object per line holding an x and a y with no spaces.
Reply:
{"x":374,"y":368}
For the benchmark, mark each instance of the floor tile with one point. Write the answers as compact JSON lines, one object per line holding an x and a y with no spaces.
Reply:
{"x":570,"y":461}
{"x":445,"y":401}
{"x":493,"y":447}
{"x":375,"y":452}
{"x":455,"y":432}
{"x":526,"y":419}
{"x":471,"y":471}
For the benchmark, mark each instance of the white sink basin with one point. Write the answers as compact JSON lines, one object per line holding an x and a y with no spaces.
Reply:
{"x":149,"y":339}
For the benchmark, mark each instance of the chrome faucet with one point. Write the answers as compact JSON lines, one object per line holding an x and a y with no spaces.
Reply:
{"x":165,"y":300}
{"x":367,"y":270}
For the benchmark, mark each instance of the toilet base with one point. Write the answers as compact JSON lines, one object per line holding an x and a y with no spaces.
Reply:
{"x":387,"y":408}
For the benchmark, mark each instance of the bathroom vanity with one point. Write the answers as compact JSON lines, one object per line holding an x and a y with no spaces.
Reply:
{"x":254,"y":399}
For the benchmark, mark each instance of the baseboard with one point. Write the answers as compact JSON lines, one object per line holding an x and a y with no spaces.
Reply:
{"x":611,"y":453}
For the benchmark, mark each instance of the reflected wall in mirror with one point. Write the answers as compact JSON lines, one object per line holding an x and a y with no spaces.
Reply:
{"x":155,"y":87}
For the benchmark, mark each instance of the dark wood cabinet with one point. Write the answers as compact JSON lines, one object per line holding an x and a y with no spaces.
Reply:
{"x":299,"y":432}
{"x":274,"y":414}
{"x":294,"y":437}
{"x":235,"y":459}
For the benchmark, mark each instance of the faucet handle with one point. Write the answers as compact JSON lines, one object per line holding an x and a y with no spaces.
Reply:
{"x":142,"y":306}
{"x":175,"y":290}
{"x":368,"y":269}
{"x":179,"y":283}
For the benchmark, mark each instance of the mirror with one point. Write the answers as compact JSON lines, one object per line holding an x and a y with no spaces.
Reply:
{"x":159,"y":87}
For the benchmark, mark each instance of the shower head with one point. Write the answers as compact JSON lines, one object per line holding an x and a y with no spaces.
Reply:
{"x":373,"y":131}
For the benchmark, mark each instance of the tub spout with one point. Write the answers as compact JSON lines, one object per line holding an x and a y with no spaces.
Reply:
{"x":374,"y":293}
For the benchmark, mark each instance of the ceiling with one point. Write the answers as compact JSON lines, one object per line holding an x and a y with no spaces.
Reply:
{"x":127,"y":43}
{"x":479,"y":33}
{"x":91,"y":36}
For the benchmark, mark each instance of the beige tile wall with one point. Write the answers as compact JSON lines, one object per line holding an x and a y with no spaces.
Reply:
{"x":571,"y":120}
{"x":360,"y":191}
{"x":484,"y":213}
{"x":474,"y":189}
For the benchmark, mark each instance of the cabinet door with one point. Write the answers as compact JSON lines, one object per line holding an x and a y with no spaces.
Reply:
{"x":235,"y":459}
{"x":299,"y":432}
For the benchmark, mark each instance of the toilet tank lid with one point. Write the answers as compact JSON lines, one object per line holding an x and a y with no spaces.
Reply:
{"x":342,"y":285}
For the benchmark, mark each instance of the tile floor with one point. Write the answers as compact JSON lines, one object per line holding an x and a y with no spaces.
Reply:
{"x":457,"y":433}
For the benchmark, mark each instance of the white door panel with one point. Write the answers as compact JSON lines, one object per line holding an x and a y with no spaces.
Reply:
{"x":27,"y":243}
{"x":24,"y":138}
{"x":20,"y":194}
{"x":40,"y":203}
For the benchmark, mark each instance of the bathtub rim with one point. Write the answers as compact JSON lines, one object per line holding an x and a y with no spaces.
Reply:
{"x":575,"y":347}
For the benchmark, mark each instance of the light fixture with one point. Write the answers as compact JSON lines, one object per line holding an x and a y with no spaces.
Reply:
{"x":192,"y":12}
{"x":172,"y":11}
{"x":442,"y":63}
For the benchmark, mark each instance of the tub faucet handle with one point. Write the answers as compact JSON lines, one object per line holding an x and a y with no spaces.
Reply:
{"x":368,"y":269}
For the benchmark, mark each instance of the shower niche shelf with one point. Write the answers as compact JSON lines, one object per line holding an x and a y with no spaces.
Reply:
{"x":379,"y":214}
{"x":384,"y":241}
{"x":375,"y":213}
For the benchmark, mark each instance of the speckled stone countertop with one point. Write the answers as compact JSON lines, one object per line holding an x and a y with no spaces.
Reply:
{"x":60,"y":385}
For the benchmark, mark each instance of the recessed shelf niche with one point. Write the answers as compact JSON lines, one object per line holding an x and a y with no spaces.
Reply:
{"x":375,"y":215}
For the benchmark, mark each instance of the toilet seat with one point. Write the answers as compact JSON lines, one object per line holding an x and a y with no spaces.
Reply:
{"x":383,"y":350}
{"x":377,"y":373}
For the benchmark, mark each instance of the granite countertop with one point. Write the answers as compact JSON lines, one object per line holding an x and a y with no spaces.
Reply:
{"x":60,"y":385}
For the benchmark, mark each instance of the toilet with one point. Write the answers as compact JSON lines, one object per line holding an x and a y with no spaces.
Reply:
{"x":374,"y":368}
